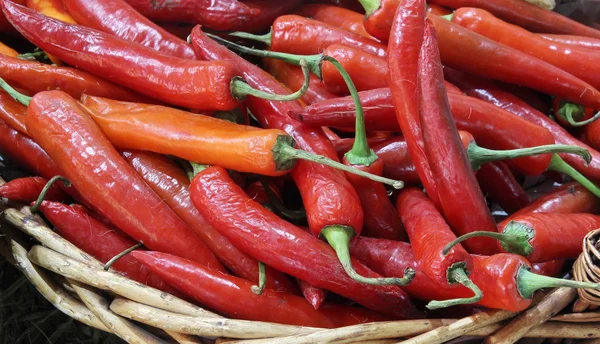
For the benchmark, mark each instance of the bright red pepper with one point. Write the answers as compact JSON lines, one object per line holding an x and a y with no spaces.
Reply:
{"x":187,"y":83}
{"x":499,"y":184}
{"x":120,"y":19}
{"x":468,"y":51}
{"x":438,"y":10}
{"x":37,"y":77}
{"x":580,"y":63}
{"x":526,"y":15}
{"x":337,"y":16}
{"x":100,"y":241}
{"x":574,"y":41}
{"x":13,"y":113}
{"x":566,"y":199}
{"x":172,"y":185}
{"x":88,"y":160}
{"x":217,"y":15}
{"x":277,"y":243}
{"x":592,"y":134}
{"x":28,"y":190}
{"x":216,"y":290}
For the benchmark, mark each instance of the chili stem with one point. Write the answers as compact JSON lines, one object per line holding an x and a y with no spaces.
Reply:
{"x":459,"y":275}
{"x":559,"y":165}
{"x":21,"y":98}
{"x":266,"y":38}
{"x":370,"y":6}
{"x":514,"y":239}
{"x":240,"y":88}
{"x":528,"y":282}
{"x":196,"y":168}
{"x":448,"y":17}
{"x":121,"y":255}
{"x":45,"y":189}
{"x":282,"y":209}
{"x":479,"y":155}
{"x":33,"y":56}
{"x":573,"y":123}
{"x":262,"y":279}
{"x":339,"y":238}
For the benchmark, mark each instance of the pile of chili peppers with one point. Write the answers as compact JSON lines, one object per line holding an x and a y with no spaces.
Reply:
{"x":358,"y":161}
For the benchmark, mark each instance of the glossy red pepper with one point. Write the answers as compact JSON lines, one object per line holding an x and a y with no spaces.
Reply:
{"x":499,"y":184}
{"x":488,"y":91}
{"x":187,"y":83}
{"x":13,"y":113}
{"x":468,"y":51}
{"x":120,"y":19}
{"x":37,"y":77}
{"x":28,"y":190}
{"x":566,"y":199}
{"x":580,"y":42}
{"x":277,"y":243}
{"x":292,"y":77}
{"x":551,"y":268}
{"x":172,"y":185}
{"x":460,"y":196}
{"x":337,"y":16}
{"x":100,"y":241}
{"x":217,"y":15}
{"x":88,"y":160}
{"x":580,"y":63}
{"x":526,"y":15}
{"x":428,"y":234}
{"x":216,"y":290}
{"x":403,"y":61}
{"x":438,"y":10}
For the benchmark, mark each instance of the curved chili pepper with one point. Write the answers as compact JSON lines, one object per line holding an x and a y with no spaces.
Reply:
{"x":303,"y":36}
{"x":569,"y":114}
{"x":468,"y":51}
{"x":102,"y":242}
{"x":8,"y":51}
{"x":460,"y":197}
{"x":438,"y":10}
{"x":337,"y":16}
{"x":28,"y":190}
{"x":566,"y":199}
{"x":428,"y":234}
{"x":403,"y":62}
{"x":172,"y":185}
{"x":84,"y":155}
{"x":216,"y":290}
{"x":580,"y":42}
{"x":542,"y":236}
{"x":37,"y":77}
{"x":189,"y":83}
{"x":499,"y":184}
{"x":580,"y":63}
{"x":118,"y":18}
{"x":13,"y":113}
{"x":264,"y":236}
{"x":505,"y":279}
{"x":488,"y":91}
{"x":293,"y":77}
{"x":526,"y":15}
{"x":217,"y":15}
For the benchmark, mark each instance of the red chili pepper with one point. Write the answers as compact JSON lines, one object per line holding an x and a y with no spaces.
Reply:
{"x":428,"y":234}
{"x":526,"y":15}
{"x":216,"y":290}
{"x":488,"y":91}
{"x":396,"y":160}
{"x":499,"y":184}
{"x":315,"y":296}
{"x":460,"y":197}
{"x":37,"y":77}
{"x":28,"y":190}
{"x":172,"y":185}
{"x":438,"y":10}
{"x":592,"y":134}
{"x":13,"y":113}
{"x":293,"y":77}
{"x":277,"y":243}
{"x":303,"y":36}
{"x":566,"y":199}
{"x":551,"y":268}
{"x":217,"y":15}
{"x":337,"y":16}
{"x":580,"y":42}
{"x":102,"y":242}
{"x":86,"y":158}
{"x":188,"y":83}
{"x":468,"y":51}
{"x":505,"y":279}
{"x":120,"y":19}
{"x":269,"y":11}
{"x":580,"y":63}
{"x":569,"y":114}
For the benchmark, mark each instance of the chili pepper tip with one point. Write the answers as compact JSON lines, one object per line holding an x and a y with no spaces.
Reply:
{"x":35,"y":207}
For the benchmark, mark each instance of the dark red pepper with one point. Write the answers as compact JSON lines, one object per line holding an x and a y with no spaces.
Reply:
{"x":269,"y":11}
{"x":337,"y":16}
{"x":567,"y":199}
{"x":13,"y":113}
{"x":28,"y":190}
{"x":499,"y":184}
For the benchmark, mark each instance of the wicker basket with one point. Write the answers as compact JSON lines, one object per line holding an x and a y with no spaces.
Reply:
{"x":76,"y":284}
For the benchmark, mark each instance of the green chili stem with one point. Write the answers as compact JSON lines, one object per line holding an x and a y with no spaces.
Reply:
{"x":514,"y":238}
{"x":266,"y":38}
{"x":460,"y":276}
{"x":573,"y":123}
{"x":262,"y":279}
{"x":370,"y":6}
{"x":45,"y":190}
{"x":339,"y":238}
{"x":21,"y":98}
{"x":528,"y":282}
{"x":448,"y":17}
{"x":559,"y":165}
{"x":121,"y":255}
{"x":196,"y":168}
